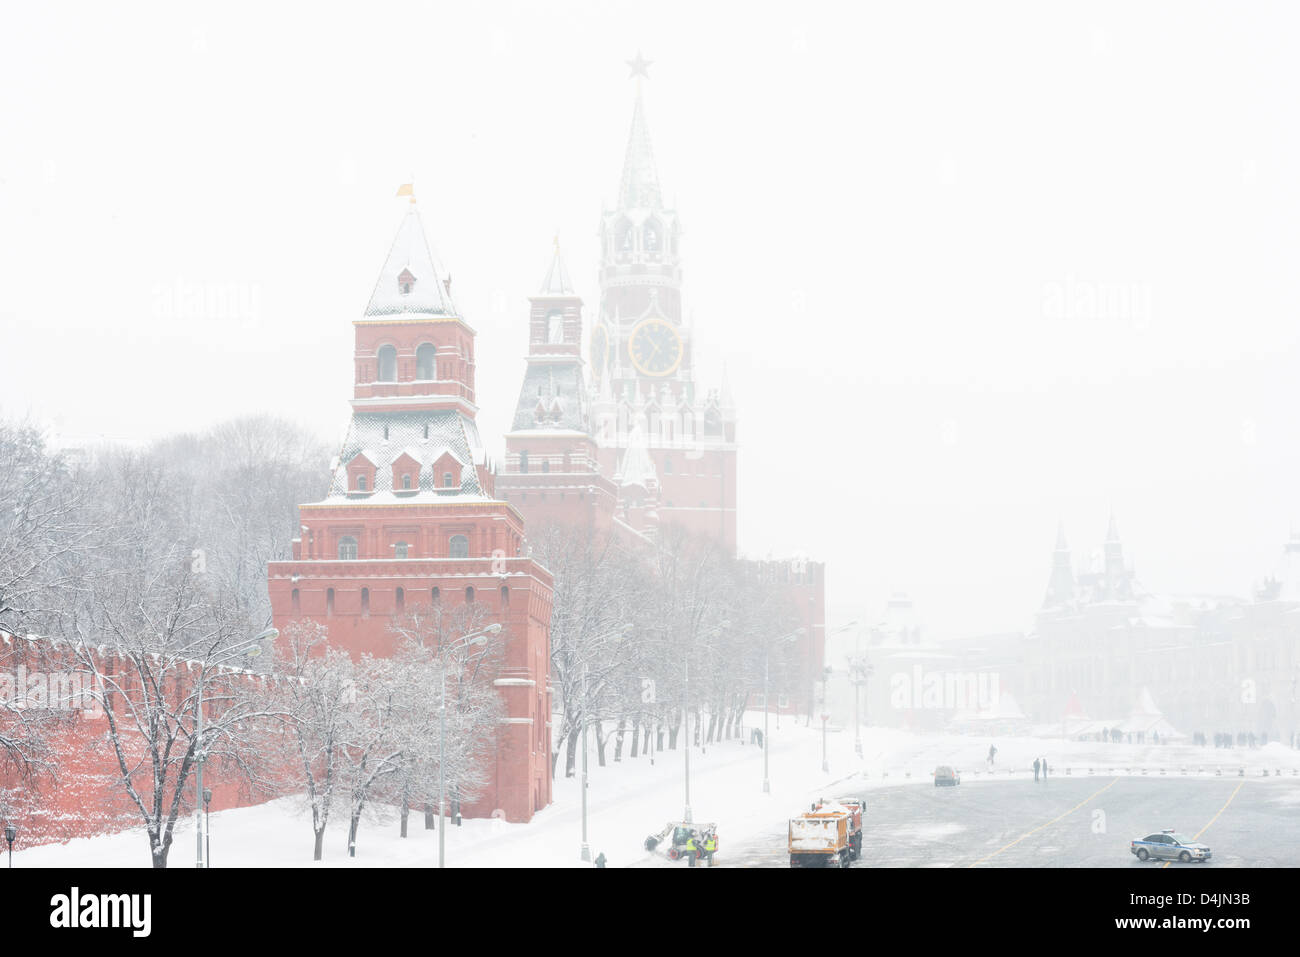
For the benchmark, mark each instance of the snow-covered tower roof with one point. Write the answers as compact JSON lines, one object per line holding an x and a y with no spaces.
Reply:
{"x":1060,"y":587}
{"x":639,"y":186}
{"x":637,"y":468}
{"x":411,"y":280}
{"x":557,"y":281}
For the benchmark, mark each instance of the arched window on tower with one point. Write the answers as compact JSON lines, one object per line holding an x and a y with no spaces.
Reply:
{"x":458,"y":547}
{"x":436,"y":595}
{"x":555,"y":327}
{"x":523,"y":461}
{"x":387,"y":364}
{"x":425,"y":363}
{"x":469,"y":595}
{"x":347,"y":549}
{"x":650,"y":237}
{"x":401,"y":600}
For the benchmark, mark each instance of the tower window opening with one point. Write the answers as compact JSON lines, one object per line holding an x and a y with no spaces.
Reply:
{"x":523,"y":462}
{"x":387,"y":364}
{"x":406,"y":481}
{"x":458,"y":547}
{"x":401,"y":550}
{"x":401,"y":600}
{"x":361,"y":483}
{"x":297,"y":606}
{"x":329,"y":601}
{"x":436,"y":596}
{"x":446,"y":480}
{"x":425,"y":361}
{"x":365,"y":602}
{"x":347,"y":548}
{"x":469,"y":595}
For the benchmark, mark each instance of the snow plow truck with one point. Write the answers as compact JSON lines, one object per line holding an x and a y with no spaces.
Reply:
{"x":828,"y":835}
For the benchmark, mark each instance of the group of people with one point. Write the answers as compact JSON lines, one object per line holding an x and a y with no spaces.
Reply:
{"x":701,"y":845}
{"x":1243,"y":739}
{"x":1040,"y":764}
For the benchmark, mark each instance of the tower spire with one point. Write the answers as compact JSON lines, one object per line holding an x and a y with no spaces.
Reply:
{"x":639,"y":187}
{"x":1060,"y":586}
{"x":557,"y":281}
{"x":411,"y":280}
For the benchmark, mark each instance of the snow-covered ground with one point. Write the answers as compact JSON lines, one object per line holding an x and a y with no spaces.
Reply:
{"x":631,"y":799}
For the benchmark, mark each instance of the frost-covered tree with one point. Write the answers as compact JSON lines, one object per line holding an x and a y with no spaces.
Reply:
{"x":149,"y":626}
{"x":600,"y":587}
{"x":43,"y":527}
{"x":438,"y":662}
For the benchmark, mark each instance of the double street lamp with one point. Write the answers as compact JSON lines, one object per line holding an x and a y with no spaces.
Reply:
{"x":250,"y":649}
{"x":477,"y":638}
{"x":686,"y":713}
{"x":767,"y":707}
{"x":618,"y":635}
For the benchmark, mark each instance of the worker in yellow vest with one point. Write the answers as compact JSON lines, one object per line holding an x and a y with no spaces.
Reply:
{"x":691,"y":849}
{"x":710,"y":845}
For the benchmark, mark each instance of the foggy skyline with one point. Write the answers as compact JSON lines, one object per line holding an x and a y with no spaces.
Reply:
{"x":951,"y":312}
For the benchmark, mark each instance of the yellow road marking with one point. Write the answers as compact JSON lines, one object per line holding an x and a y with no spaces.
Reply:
{"x":1197,"y":835}
{"x":1048,"y":824}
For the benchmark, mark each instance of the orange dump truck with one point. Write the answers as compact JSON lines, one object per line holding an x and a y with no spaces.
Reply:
{"x":830,"y":835}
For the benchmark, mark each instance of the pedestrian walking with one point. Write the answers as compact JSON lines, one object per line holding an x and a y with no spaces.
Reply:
{"x":1035,"y":770}
{"x":992,"y":752}
{"x":1044,"y":769}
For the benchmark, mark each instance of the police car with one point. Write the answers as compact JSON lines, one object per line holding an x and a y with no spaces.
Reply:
{"x":1169,"y":845}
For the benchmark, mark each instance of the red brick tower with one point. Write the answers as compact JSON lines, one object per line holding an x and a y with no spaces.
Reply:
{"x":552,"y":472}
{"x":412,"y":517}
{"x":643,"y":366}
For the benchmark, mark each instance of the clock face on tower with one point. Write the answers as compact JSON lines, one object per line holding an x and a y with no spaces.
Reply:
{"x":599,"y":351}
{"x":655,"y":348}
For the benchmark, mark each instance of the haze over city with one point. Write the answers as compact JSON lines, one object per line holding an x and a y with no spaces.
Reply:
{"x":963,"y":285}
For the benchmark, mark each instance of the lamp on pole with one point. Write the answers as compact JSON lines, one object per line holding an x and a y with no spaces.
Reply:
{"x":477,"y":638}
{"x":251,"y":648}
{"x":207,"y":822}
{"x":11,"y":833}
{"x":617,"y":635}
{"x":767,"y":707}
{"x":686,"y":713}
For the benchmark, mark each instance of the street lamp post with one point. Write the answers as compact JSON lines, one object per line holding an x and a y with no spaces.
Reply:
{"x":251,"y":648}
{"x":686,"y":713}
{"x":825,"y":764}
{"x":767,"y":706}
{"x":618,"y":635}
{"x":207,"y":822}
{"x":11,"y":833}
{"x":477,"y":638}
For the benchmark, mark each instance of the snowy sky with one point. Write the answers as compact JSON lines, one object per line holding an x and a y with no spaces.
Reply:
{"x":971,"y":270}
